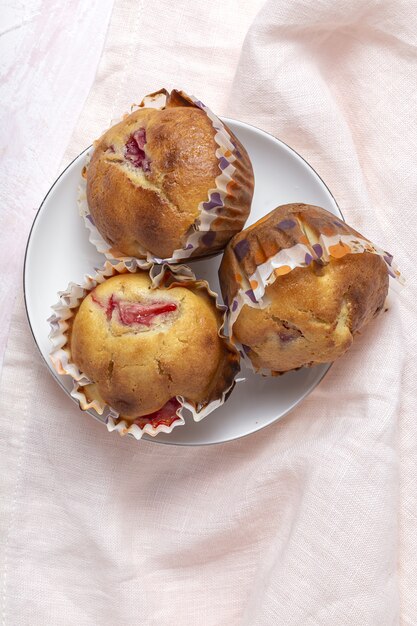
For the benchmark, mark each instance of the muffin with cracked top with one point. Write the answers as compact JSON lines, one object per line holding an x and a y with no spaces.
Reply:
{"x":309,"y":314}
{"x":159,"y":186}
{"x":142,"y":346}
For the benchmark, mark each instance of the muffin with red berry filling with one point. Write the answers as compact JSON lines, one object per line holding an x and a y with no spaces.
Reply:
{"x":144,"y":347}
{"x":169,"y":183}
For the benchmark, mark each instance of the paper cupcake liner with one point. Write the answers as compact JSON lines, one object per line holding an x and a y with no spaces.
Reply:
{"x":172,"y":413}
{"x":226,"y":153}
{"x":252,"y":289}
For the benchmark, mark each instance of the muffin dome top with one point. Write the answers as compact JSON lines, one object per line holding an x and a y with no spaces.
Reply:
{"x":313,"y":313}
{"x":152,"y":174}
{"x":142,"y":346}
{"x":300,"y":284}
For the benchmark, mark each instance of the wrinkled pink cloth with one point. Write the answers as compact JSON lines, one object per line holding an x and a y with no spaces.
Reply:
{"x":312,"y":520}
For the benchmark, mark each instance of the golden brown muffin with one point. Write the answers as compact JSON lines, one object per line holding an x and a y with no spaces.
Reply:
{"x":150,"y":174}
{"x":312,"y":312}
{"x":143,"y":346}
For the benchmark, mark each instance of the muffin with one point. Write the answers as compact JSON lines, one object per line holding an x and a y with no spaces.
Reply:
{"x":300,"y":284}
{"x":146,"y":350}
{"x":169,"y":183}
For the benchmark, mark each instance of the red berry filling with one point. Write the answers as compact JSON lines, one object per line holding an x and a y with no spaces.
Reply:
{"x":109,"y":308}
{"x":134,"y":150}
{"x":166,"y":415}
{"x":134,"y":312}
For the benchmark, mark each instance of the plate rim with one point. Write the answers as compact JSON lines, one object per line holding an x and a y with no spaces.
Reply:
{"x":146,"y":437}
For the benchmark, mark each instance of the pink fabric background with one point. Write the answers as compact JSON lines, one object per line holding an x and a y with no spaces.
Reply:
{"x":311,"y":521}
{"x":43,"y":89}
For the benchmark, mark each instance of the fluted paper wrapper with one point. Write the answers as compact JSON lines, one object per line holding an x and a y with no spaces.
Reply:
{"x":173,"y":412}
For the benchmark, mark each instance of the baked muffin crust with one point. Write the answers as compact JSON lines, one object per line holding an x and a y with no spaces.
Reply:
{"x":149,"y":174}
{"x":313,"y":312}
{"x":143,"y":346}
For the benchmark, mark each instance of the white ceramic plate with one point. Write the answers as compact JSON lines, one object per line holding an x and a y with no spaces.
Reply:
{"x":58,"y":251}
